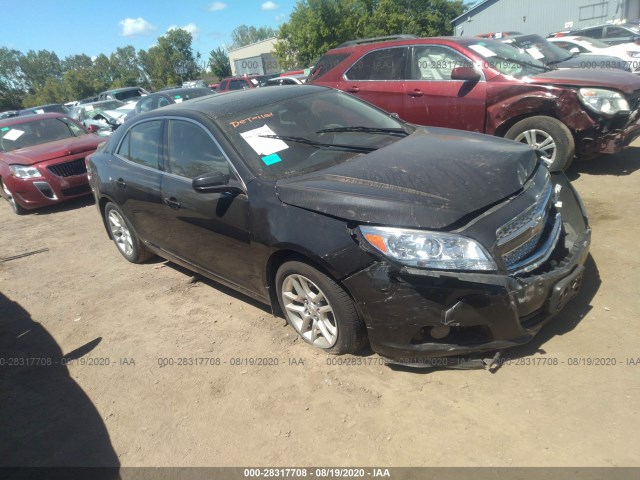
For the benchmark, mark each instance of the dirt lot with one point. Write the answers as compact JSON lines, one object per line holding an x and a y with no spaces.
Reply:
{"x":570,"y":398}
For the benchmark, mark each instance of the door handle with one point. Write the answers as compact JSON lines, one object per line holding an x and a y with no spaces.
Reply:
{"x":120,"y":183}
{"x":416,"y":93}
{"x":172,"y":202}
{"x":354,"y":89}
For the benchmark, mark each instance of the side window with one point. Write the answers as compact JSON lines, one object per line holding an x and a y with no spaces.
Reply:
{"x":147,"y":104}
{"x":237,"y":85}
{"x":386,"y":64}
{"x":142,"y":144}
{"x":223,"y":85}
{"x":613,"y":32}
{"x":163,"y":102}
{"x":433,"y":62}
{"x":192,"y":151}
{"x":593,"y":32}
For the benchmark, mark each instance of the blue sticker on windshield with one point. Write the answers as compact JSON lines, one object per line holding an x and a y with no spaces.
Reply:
{"x":271,"y":159}
{"x":5,"y":129}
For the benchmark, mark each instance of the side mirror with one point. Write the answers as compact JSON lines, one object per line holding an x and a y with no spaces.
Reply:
{"x":574,"y":50}
{"x":468,"y":74}
{"x":214,"y":182}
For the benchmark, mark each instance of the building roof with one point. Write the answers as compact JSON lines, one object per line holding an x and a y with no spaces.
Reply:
{"x":471,"y":10}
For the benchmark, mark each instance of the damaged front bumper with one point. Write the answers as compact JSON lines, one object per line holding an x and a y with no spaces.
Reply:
{"x":623,"y":129}
{"x":417,"y":316}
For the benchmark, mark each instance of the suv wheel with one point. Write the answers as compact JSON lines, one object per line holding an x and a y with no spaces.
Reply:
{"x":549,"y":135}
{"x":322,"y":313}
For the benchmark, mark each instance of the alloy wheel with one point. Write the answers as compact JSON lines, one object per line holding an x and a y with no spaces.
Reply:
{"x":309,"y":311}
{"x":120,"y":232}
{"x":540,"y":140}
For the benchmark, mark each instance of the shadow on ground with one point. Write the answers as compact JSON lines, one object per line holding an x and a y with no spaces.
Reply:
{"x":47,"y":419}
{"x":623,"y":163}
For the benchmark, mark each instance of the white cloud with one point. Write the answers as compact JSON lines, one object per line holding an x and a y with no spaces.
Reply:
{"x":135,"y":26}
{"x":269,"y":5}
{"x":216,"y":6}
{"x":192,"y":28}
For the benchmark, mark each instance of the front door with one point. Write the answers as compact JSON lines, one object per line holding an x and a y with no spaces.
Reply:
{"x":433,"y":98}
{"x":208,"y":230}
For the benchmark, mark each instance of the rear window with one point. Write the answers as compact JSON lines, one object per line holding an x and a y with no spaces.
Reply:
{"x":326,"y":63}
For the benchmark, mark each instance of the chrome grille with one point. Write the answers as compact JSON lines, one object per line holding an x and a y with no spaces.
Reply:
{"x":68,"y":169}
{"x":528,"y":239}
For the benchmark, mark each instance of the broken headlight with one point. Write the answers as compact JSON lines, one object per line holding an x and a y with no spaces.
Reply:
{"x":423,"y":249}
{"x":603,"y":101}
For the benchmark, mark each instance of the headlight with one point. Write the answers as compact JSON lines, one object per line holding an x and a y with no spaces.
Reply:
{"x":419,"y":248}
{"x":603,"y":101}
{"x":24,"y":171}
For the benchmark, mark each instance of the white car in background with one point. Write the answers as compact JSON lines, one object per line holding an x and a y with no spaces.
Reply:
{"x":628,"y":52}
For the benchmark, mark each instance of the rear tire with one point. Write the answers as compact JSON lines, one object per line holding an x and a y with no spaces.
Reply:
{"x":17,"y":209}
{"x":319,"y":309}
{"x":549,"y":135}
{"x":123,"y":235}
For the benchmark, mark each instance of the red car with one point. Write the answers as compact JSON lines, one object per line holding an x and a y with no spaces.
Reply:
{"x":490,"y":87}
{"x":237,"y":83}
{"x":42,"y":160}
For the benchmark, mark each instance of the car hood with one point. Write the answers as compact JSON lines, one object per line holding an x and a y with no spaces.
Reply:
{"x":431,"y":179}
{"x":590,"y":77}
{"x":52,"y":150}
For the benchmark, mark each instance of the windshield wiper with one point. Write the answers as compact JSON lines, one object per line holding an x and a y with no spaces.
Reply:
{"x":313,"y":143}
{"x":400,"y":132}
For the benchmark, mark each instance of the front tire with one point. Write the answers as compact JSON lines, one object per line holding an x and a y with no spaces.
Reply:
{"x":17,"y":209}
{"x":319,"y":309}
{"x":123,"y":235}
{"x":549,"y":135}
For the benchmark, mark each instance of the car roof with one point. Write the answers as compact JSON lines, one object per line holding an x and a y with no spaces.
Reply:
{"x":7,"y":122}
{"x":101,"y":102}
{"x":178,"y":91}
{"x":229,"y":103}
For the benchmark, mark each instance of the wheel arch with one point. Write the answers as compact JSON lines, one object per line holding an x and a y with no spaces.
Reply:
{"x":284,"y":255}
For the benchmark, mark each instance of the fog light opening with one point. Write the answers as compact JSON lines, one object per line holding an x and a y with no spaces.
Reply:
{"x":439,"y":331}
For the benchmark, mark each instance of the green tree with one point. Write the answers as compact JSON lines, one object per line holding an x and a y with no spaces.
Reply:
{"x":38,"y":67}
{"x":125,"y":68}
{"x":12,"y":85}
{"x":52,"y":91}
{"x":316,"y":26}
{"x":76,"y":62}
{"x":219,"y":63}
{"x":171,"y":60}
{"x":246,"y":35}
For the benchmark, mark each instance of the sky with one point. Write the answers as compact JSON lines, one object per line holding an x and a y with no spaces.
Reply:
{"x":69,"y":27}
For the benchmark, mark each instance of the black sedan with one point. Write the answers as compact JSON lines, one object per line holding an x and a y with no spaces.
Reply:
{"x":428,"y":242}
{"x":166,"y":97}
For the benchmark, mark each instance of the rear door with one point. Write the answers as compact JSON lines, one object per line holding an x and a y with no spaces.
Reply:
{"x":431,"y":97}
{"x":209,"y":230}
{"x":378,"y":78}
{"x":136,"y":178}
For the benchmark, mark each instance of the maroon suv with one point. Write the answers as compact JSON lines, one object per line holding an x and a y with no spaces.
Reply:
{"x":487,"y":86}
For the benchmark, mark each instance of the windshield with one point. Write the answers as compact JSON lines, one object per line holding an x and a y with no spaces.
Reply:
{"x":91,"y":111}
{"x":539,"y":48}
{"x":312,"y":132}
{"x":325,"y":65}
{"x":505,"y":58}
{"x":29,"y":134}
{"x":593,"y":42}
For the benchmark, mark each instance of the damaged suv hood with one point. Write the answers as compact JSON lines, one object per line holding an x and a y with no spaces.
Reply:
{"x":417,"y":181}
{"x":590,"y":77}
